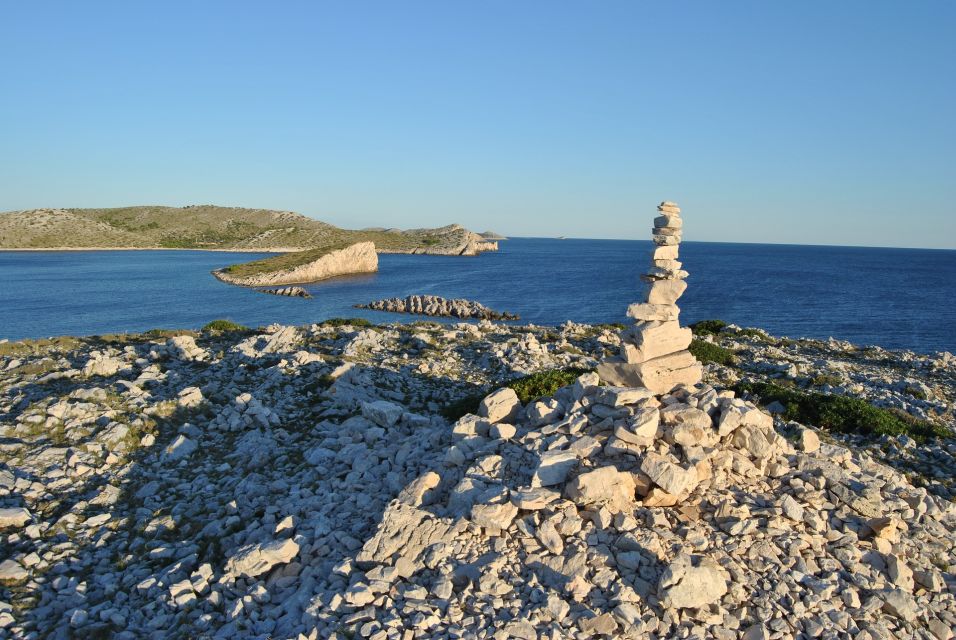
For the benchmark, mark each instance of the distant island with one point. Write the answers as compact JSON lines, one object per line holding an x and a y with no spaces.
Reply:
{"x":212,"y":227}
{"x":306,"y":242}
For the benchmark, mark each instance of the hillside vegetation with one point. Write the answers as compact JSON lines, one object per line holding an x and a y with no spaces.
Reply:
{"x":212,"y":227}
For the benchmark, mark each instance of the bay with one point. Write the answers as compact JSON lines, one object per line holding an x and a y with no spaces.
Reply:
{"x":895,"y":298}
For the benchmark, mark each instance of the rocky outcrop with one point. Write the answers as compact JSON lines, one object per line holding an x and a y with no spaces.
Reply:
{"x":438,"y":307}
{"x":453,"y":240}
{"x":354,"y":259}
{"x":289,"y":292}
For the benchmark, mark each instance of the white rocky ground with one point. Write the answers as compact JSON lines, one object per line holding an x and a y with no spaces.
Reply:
{"x":303,"y":481}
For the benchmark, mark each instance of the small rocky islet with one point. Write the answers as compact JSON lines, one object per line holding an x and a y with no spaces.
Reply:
{"x":344,"y":480}
{"x":436,"y":306}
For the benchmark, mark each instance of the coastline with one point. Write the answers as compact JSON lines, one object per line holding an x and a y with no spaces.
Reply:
{"x":80,"y":249}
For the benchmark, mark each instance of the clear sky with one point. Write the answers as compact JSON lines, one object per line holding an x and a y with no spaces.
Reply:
{"x":814,"y":122}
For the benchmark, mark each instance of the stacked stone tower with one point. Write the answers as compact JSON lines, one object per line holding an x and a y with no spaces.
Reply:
{"x":654,"y":353}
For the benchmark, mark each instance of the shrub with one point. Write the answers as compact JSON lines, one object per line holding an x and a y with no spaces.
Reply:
{"x":826,"y":378}
{"x":223,"y":326}
{"x":760,"y":334}
{"x":842,"y":414}
{"x":708,"y":352}
{"x":529,"y":388}
{"x":708,"y":327}
{"x":544,"y":383}
{"x":611,"y":326}
{"x":344,"y":322}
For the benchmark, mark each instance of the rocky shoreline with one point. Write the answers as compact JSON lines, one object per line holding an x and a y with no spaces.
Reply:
{"x":436,"y":306}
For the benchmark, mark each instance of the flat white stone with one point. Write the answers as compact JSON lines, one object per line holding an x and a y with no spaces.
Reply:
{"x":501,"y":406}
{"x":665,"y":292}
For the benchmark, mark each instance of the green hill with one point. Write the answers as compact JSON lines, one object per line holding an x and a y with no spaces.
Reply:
{"x":212,"y":227}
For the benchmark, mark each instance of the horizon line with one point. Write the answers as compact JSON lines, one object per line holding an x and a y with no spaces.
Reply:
{"x":775,"y":244}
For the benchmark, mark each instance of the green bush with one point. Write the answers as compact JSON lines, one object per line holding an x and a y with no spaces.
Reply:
{"x":611,"y":326}
{"x":708,"y":352}
{"x":760,"y":334}
{"x":842,"y":414}
{"x":826,"y":378}
{"x":223,"y":326}
{"x":345,"y":322}
{"x":529,"y":388}
{"x":708,"y":327}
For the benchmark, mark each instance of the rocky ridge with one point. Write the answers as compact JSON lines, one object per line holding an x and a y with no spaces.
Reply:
{"x":438,"y":307}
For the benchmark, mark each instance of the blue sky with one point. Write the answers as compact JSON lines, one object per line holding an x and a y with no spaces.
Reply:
{"x":813,"y":122}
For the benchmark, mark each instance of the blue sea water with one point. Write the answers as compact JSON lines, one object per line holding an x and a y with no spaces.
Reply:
{"x":896,"y":298}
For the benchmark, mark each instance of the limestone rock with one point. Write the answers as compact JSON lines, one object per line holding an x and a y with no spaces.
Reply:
{"x":898,"y":603}
{"x":185,"y":348}
{"x":257,"y":559}
{"x":494,"y":516}
{"x":12,"y":571}
{"x":501,"y":406}
{"x":14,"y":517}
{"x":650,"y":340}
{"x":692,"y":582}
{"x":384,"y":414}
{"x":405,"y":532}
{"x":639,"y":429}
{"x":621,"y":396}
{"x":670,"y":477}
{"x":809,"y":441}
{"x":553,"y":468}
{"x":605,"y":486}
{"x":534,"y":499}
{"x":660,"y":375}
{"x":644,"y":312}
{"x":180,"y":448}
{"x":665,"y":292}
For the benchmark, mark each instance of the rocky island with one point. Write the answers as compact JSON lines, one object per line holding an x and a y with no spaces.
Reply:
{"x":343,"y":480}
{"x":210,"y":227}
{"x":438,"y":307}
{"x":304,"y":266}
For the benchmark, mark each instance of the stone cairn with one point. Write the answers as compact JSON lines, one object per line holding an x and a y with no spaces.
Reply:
{"x":654,"y":352}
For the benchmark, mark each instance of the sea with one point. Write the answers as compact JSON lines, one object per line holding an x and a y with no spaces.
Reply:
{"x":894,"y":298}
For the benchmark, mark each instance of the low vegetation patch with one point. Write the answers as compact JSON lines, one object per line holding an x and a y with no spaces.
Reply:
{"x":826,"y":378}
{"x":224,"y":326}
{"x":43,"y":345}
{"x":529,"y":388}
{"x":708,"y":352}
{"x":760,"y":334}
{"x":708,"y":327}
{"x":347,"y":322}
{"x":161,"y":334}
{"x":842,"y":414}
